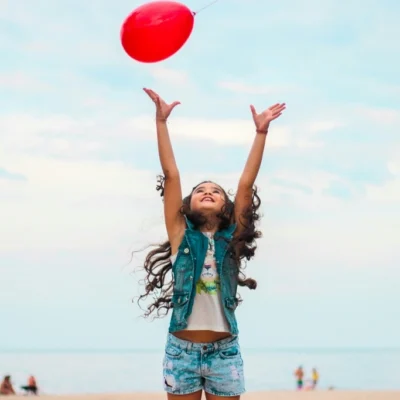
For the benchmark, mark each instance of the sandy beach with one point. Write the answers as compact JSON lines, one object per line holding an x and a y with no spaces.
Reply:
{"x":320,"y":395}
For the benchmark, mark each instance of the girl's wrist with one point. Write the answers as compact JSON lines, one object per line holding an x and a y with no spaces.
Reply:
{"x":263,"y":131}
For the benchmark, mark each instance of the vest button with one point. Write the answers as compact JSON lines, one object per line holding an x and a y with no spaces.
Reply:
{"x":186,"y":251}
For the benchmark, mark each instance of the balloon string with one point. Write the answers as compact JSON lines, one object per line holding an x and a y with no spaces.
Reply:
{"x":206,"y":6}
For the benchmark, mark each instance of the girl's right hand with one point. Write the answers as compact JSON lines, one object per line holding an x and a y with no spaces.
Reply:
{"x":163,"y":110}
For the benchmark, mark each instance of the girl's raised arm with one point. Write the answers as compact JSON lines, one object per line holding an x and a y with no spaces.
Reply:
{"x":244,"y":192}
{"x":174,"y":220}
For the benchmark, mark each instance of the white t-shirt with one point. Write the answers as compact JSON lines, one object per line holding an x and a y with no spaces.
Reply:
{"x":207,"y":313}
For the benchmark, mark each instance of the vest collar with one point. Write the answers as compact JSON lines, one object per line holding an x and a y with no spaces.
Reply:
{"x":225,"y":232}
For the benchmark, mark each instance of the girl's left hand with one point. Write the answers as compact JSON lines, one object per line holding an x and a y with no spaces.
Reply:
{"x":263,"y":120}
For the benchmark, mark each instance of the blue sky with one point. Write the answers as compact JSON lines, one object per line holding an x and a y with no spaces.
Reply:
{"x":78,"y":162}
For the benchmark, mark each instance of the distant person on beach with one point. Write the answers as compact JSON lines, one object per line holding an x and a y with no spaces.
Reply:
{"x":32,"y":386}
{"x":299,"y":374}
{"x":315,"y":377}
{"x":6,"y":387}
{"x":209,"y":235}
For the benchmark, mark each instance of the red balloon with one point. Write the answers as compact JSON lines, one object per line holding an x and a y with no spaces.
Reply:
{"x":156,"y":30}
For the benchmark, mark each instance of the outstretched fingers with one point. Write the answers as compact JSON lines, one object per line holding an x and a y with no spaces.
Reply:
{"x":277,"y":110}
{"x":152,"y":94}
{"x":277,"y":107}
{"x":158,"y":101}
{"x":174,"y":104}
{"x":253,"y":111}
{"x":274,"y":106}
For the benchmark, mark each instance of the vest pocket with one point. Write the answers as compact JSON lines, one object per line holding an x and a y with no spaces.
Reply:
{"x":179,"y":309}
{"x":179,"y":299}
{"x":181,"y":270}
{"x":231,"y":303}
{"x":179,"y":279}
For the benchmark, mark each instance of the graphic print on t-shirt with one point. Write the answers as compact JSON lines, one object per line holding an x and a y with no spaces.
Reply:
{"x":209,"y":282}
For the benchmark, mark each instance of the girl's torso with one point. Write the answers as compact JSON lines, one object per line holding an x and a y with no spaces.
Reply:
{"x":201,"y":336}
{"x":207,"y":322}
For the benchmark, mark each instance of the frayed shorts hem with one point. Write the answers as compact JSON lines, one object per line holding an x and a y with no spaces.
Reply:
{"x":231,"y":394}
{"x":182,"y":393}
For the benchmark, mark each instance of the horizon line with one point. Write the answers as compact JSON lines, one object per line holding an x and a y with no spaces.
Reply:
{"x":153,"y":349}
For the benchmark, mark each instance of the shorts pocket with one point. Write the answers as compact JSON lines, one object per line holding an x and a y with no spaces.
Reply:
{"x":229,"y":353}
{"x":173,"y":352}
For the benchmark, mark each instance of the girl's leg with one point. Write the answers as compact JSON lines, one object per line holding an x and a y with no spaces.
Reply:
{"x":210,"y":396}
{"x":224,"y":378}
{"x":181,"y":370}
{"x":191,"y":396}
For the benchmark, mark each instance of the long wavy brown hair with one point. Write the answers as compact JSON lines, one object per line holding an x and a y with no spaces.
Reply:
{"x":157,"y":264}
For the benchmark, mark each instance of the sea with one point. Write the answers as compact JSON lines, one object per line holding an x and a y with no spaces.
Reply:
{"x":122,"y":371}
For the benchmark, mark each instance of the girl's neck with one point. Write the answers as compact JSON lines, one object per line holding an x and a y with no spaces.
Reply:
{"x":211,"y":225}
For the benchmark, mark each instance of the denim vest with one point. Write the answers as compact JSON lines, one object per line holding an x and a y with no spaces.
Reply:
{"x":187,"y":269}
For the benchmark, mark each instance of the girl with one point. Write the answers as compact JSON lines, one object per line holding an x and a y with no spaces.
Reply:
{"x":208,"y":237}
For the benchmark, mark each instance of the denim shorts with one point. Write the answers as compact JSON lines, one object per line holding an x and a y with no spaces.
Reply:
{"x":216,"y":367}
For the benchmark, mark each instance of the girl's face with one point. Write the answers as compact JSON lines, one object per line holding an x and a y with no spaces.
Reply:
{"x":207,"y":198}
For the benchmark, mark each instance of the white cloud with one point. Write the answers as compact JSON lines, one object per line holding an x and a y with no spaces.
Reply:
{"x":59,"y":134}
{"x":70,"y":205}
{"x":384,"y":116}
{"x":95,"y":205}
{"x":234,"y":132}
{"x":389,"y":192}
{"x":323,"y":126}
{"x":394,"y":166}
{"x":241,"y":87}
{"x":170,"y":76}
{"x":20,"y":81}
